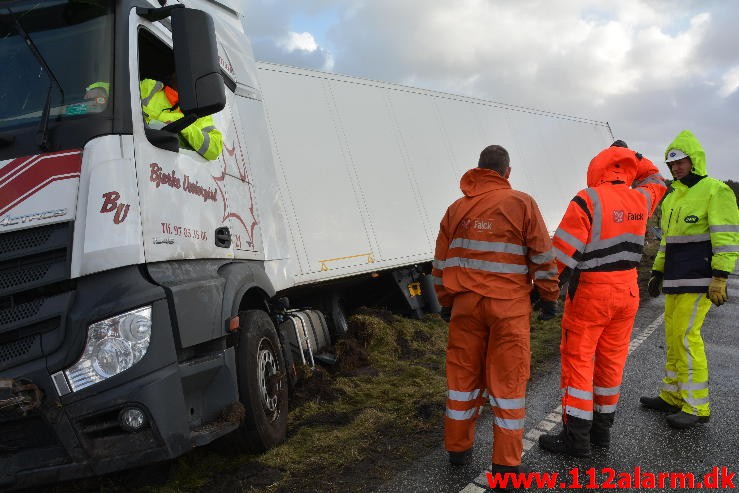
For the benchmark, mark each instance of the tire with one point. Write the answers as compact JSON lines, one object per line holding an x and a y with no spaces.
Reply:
{"x":337,"y":310}
{"x":262,"y":382}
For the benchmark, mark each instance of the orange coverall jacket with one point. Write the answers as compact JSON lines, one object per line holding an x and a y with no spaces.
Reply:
{"x":601,"y":236}
{"x":493,"y":241}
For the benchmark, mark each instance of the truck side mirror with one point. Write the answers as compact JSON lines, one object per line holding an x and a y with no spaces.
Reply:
{"x":199,"y":82}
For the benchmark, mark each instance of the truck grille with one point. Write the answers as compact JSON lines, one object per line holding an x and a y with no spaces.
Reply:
{"x":34,"y":289}
{"x":17,"y":349}
{"x":24,"y":310}
{"x":27,"y":239}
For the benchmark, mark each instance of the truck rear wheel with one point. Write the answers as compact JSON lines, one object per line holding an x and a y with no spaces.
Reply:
{"x":262,"y":381}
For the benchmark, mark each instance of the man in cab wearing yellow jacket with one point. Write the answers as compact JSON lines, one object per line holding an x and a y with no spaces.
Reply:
{"x":160,"y":105}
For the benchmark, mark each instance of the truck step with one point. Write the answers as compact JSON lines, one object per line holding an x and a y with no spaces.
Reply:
{"x":210,"y":432}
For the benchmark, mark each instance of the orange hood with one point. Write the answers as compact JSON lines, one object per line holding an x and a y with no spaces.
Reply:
{"x":613,"y":164}
{"x":480,"y":180}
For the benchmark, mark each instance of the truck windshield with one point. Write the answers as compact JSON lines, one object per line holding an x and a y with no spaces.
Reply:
{"x":56,"y":59}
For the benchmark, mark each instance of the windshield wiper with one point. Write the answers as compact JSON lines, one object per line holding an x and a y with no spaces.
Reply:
{"x":42,"y":133}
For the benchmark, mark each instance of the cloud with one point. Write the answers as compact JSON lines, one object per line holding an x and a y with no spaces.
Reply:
{"x":269,"y":26}
{"x":646,"y":66}
{"x":730,"y":82}
{"x":298,"y":41}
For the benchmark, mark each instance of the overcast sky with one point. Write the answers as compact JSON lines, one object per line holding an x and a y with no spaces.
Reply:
{"x":649,"y":67}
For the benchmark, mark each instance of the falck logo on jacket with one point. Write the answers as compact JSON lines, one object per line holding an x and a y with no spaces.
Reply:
{"x":480,"y":224}
{"x":691,"y":219}
{"x":618,"y":216}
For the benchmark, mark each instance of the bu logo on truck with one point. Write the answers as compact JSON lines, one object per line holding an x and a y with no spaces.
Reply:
{"x":110,"y":204}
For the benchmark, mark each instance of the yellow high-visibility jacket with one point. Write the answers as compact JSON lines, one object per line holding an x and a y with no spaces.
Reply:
{"x":159,"y":102}
{"x":700,"y":225}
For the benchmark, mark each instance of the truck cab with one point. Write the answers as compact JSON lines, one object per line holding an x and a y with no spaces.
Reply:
{"x":131,"y":265}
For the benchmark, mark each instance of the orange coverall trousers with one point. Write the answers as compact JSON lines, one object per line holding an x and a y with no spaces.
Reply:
{"x":596,"y":329}
{"x":488,"y":357}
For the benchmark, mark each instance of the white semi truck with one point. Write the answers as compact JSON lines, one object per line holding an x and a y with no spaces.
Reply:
{"x":144,"y":290}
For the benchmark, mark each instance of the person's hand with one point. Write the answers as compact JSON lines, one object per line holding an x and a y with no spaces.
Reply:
{"x":655,"y":284}
{"x":717,"y":290}
{"x":547,"y":309}
{"x":535,"y":299}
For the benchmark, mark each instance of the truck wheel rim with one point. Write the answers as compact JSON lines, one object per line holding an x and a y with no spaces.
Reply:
{"x":269,"y":385}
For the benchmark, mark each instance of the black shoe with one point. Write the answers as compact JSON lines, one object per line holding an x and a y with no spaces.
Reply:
{"x":521,"y":468}
{"x":557,"y":444}
{"x":460,"y":458}
{"x":658,"y":404}
{"x":600,"y":440}
{"x":682,"y":420}
{"x":500,"y":469}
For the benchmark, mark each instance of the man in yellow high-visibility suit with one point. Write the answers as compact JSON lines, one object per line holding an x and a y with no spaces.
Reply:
{"x":698,"y":251}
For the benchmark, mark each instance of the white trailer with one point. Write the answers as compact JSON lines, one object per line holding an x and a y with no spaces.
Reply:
{"x":143,"y":288}
{"x":366,"y":169}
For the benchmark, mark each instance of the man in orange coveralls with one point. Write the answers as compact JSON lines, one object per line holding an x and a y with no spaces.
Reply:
{"x":492,"y":245}
{"x":598,"y":246}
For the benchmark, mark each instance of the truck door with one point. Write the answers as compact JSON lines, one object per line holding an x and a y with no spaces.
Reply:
{"x":182,"y":194}
{"x":237,"y":177}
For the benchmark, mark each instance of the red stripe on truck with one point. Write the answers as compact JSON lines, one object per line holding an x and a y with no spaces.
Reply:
{"x":23,"y":177}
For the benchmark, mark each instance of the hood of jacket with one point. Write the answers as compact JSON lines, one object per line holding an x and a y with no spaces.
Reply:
{"x":686,"y":142}
{"x":480,"y":180}
{"x":613,"y":164}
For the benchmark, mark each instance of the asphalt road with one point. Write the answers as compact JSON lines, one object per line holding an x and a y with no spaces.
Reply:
{"x":640,"y":438}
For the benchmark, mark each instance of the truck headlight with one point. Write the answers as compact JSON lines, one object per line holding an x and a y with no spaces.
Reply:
{"x":113,"y":346}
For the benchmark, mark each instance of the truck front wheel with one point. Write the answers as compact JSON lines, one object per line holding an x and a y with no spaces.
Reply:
{"x":262,"y":381}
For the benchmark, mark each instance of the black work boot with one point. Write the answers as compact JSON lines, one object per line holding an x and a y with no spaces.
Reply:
{"x":600,"y":433}
{"x":573,"y":440}
{"x":682,"y":420}
{"x":658,"y":404}
{"x":460,"y":458}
